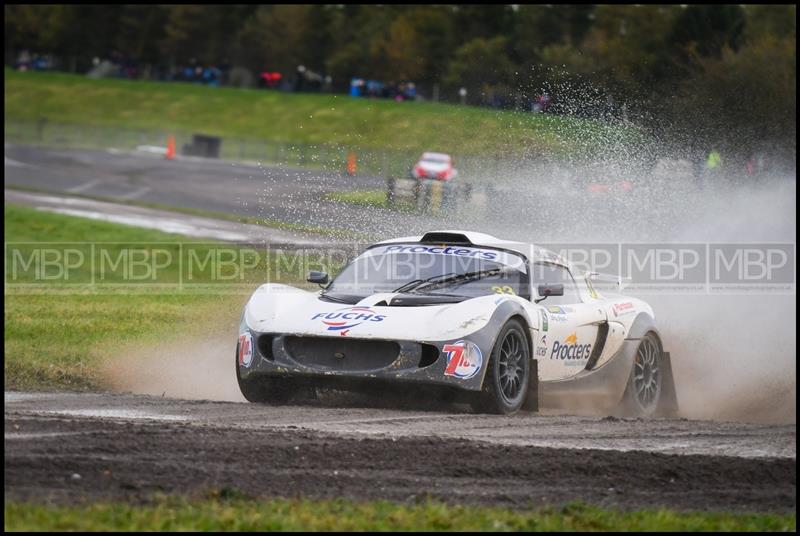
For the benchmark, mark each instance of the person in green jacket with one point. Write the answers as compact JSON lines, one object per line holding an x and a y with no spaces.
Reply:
{"x":714,"y":160}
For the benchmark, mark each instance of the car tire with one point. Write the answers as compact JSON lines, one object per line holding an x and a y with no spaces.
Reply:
{"x":264,"y":389}
{"x":648,"y":381}
{"x":505,"y":386}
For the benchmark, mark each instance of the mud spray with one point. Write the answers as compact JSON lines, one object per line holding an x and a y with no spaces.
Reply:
{"x":733,"y":353}
{"x":734,"y":356}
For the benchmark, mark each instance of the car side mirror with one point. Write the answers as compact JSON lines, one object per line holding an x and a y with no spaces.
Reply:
{"x":556,"y":289}
{"x":320,"y":278}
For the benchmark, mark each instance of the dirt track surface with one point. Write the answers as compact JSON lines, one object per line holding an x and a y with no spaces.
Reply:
{"x":128,"y":447}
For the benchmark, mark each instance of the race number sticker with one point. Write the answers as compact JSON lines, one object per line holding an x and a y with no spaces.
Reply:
{"x":245,"y":350}
{"x":464,"y":359}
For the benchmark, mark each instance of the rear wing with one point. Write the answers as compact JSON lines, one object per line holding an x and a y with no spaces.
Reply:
{"x":597,"y":277}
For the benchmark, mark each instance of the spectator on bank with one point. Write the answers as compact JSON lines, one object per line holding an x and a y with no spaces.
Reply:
{"x":269,"y":80}
{"x":410,"y":92}
{"x":714,"y":161}
{"x":357,"y":87}
{"x":211,"y":76}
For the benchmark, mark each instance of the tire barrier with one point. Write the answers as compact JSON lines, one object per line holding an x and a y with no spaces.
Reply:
{"x":430,"y":196}
{"x":205,"y":146}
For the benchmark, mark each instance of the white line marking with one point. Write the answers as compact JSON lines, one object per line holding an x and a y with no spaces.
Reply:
{"x":377,"y":420}
{"x":155,"y":149}
{"x":152,"y":222}
{"x":14,"y":163}
{"x":115,"y":414}
{"x":41,"y":435}
{"x":135,"y":194}
{"x":83,"y":187}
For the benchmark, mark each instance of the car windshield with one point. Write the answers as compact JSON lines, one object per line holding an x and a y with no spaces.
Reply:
{"x":461,"y":271}
{"x":435,"y":159}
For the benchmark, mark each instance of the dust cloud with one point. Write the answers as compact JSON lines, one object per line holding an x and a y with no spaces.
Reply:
{"x":192,"y":368}
{"x":734,"y":356}
{"x":733,"y":352}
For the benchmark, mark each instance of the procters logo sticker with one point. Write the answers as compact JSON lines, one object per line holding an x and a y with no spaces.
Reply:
{"x":464,"y":359}
{"x":342,"y":320}
{"x":445,"y":250}
{"x":570,"y":349}
{"x":511,"y":260}
{"x":245,"y":350}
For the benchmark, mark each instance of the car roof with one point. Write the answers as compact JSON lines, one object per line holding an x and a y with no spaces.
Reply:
{"x":435,"y":155}
{"x":531,"y":251}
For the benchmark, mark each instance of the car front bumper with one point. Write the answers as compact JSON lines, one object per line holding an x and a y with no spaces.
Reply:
{"x":329,"y":359}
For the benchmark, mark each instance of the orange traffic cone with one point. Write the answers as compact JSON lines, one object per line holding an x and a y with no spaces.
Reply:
{"x":351,"y":163}
{"x":170,"y":154}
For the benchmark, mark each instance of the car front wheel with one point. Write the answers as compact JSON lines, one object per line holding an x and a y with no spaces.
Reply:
{"x":506,"y":383}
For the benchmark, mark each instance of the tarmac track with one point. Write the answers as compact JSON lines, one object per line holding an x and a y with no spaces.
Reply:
{"x":127,"y":447}
{"x":278,"y":193}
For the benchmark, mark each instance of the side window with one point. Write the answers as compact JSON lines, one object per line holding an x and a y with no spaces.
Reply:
{"x":550,"y":274}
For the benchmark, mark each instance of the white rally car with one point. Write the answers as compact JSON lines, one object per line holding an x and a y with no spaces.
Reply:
{"x":503,"y":325}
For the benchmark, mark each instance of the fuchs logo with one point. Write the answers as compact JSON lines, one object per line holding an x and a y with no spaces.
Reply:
{"x":245,"y":350}
{"x":342,"y":320}
{"x":464,"y":359}
{"x":570,"y":349}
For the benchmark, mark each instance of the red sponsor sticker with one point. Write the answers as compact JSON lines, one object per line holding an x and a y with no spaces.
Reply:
{"x":464,"y":359}
{"x":245,"y":349}
{"x":622,"y":308}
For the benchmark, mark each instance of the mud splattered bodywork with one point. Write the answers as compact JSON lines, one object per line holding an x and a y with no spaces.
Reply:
{"x":403,"y":358}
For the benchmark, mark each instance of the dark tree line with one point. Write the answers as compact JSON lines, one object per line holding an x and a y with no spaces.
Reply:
{"x":722,"y":74}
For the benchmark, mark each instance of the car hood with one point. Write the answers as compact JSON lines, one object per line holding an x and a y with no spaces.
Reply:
{"x":283,"y":309}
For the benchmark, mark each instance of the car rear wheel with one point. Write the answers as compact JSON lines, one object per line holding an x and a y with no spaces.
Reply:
{"x":506,"y":383}
{"x":647,"y":382}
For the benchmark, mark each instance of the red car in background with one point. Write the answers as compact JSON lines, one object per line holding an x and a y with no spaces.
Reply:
{"x":437,"y":166}
{"x":599,"y":187}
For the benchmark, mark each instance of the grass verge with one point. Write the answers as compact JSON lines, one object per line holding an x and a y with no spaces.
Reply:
{"x":238,"y":514}
{"x":299,"y":118}
{"x":364,"y":198}
{"x":77,"y":291}
{"x":371,"y":198}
